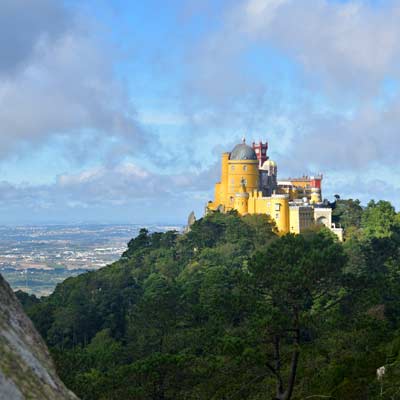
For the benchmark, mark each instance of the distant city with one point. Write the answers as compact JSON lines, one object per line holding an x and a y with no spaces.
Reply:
{"x":36,"y":258}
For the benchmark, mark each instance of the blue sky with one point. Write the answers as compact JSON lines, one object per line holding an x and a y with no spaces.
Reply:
{"x":119,"y":111}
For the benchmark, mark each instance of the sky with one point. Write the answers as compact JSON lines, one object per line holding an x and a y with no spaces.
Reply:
{"x":118,"y":111}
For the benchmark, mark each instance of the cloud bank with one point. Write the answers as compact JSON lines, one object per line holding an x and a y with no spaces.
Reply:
{"x":56,"y":79}
{"x":321,"y":77}
{"x":132,"y":192}
{"x":346,"y":55}
{"x":351,"y":43}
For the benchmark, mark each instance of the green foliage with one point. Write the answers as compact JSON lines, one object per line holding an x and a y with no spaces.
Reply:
{"x":296,"y":270}
{"x":347,"y":213}
{"x":299,"y":278}
{"x":222,"y":311}
{"x":145,"y":241}
{"x":379,"y":219}
{"x":27,"y":300}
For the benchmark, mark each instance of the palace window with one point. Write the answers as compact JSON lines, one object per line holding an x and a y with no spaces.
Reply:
{"x":244,"y":167}
{"x":232,"y":167}
{"x":277,"y":207}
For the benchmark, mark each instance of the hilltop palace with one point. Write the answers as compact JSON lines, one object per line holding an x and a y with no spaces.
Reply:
{"x":249,"y":184}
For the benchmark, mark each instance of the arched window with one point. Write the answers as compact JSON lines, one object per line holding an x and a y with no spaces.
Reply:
{"x":322,"y":221}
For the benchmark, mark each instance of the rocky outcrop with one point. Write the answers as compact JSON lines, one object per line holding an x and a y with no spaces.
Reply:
{"x":26,"y":368}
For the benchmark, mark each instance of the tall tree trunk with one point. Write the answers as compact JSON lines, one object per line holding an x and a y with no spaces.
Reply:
{"x":282,"y":394}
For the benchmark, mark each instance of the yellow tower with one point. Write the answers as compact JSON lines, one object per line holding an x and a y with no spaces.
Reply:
{"x":241,"y":200}
{"x":238,"y":168}
{"x":220,"y":191}
{"x":242,"y":168}
{"x":224,"y":177}
{"x":279,"y":211}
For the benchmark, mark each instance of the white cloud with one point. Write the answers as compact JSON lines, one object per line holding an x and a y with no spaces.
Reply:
{"x":123,"y":183}
{"x":26,"y":25}
{"x":124,"y":192}
{"x":81,"y":178}
{"x":130,"y":169}
{"x":351,"y":44}
{"x":259,"y":13}
{"x":58,"y":80}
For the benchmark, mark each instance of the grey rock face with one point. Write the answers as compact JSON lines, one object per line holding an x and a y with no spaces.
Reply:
{"x":26,"y":368}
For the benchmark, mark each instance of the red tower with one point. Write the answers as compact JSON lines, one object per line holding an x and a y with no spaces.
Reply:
{"x":261,"y":152}
{"x":316,"y":181}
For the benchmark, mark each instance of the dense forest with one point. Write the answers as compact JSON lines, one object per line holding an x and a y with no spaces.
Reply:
{"x":230,"y":310}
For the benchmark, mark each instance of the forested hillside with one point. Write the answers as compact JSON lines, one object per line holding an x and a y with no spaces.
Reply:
{"x":232,"y":311}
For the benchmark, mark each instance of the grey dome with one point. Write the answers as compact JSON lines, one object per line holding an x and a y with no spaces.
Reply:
{"x":243,"y":152}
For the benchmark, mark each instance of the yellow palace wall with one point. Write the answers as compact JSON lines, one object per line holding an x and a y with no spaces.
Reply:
{"x":276,"y":206}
